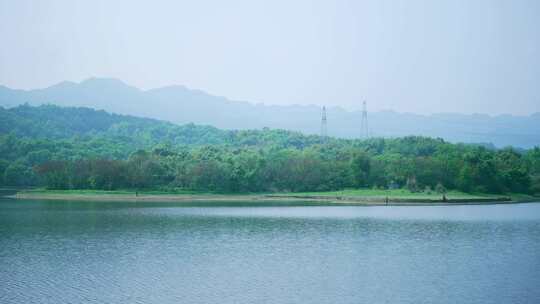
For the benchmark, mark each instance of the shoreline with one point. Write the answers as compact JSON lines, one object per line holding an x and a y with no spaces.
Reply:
{"x":330,"y":200}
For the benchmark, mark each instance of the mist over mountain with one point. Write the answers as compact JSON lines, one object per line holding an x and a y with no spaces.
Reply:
{"x":181,"y":105}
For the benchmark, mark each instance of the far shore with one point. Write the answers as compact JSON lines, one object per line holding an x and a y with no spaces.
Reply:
{"x":324,"y":199}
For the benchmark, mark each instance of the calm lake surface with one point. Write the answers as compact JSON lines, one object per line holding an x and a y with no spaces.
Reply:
{"x":99,"y":252}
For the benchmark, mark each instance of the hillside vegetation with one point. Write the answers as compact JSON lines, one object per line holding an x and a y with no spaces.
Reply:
{"x":81,"y":148}
{"x":181,"y":105}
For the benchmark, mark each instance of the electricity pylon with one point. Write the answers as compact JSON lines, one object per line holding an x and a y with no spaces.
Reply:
{"x":324,"y":130}
{"x":364,"y":130}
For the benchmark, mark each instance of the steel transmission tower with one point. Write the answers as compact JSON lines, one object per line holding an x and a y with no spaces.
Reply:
{"x":364,"y":130}
{"x":324,"y":130}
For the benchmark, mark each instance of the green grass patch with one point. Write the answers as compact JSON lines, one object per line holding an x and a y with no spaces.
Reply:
{"x":397,"y":193}
{"x":371,"y":193}
{"x":112,"y":192}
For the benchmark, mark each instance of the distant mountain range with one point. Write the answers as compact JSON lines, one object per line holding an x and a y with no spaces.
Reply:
{"x":181,"y":105}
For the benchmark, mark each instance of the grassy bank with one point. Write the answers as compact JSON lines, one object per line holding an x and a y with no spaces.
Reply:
{"x":352,"y":196}
{"x":406,"y":196}
{"x":398,"y":193}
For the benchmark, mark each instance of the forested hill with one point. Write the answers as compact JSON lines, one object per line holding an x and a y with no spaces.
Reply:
{"x":85,"y":124}
{"x":81,"y":148}
{"x":54,"y":122}
{"x":182,"y":105}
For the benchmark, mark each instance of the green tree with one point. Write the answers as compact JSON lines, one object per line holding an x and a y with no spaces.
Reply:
{"x":360,"y":168}
{"x":17,"y":174}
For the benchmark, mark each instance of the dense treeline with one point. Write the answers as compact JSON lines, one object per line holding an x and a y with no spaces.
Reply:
{"x":412,"y":162}
{"x":50,"y":146}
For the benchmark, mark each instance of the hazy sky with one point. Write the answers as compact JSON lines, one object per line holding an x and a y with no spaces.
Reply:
{"x":414,"y":56}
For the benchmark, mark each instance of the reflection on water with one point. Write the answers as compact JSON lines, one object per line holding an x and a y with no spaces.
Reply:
{"x":96,"y":252}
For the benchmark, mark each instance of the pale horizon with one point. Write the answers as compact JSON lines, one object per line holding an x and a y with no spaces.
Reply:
{"x":416,"y":56}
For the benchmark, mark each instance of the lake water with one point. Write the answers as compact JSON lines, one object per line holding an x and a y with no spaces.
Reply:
{"x":98,"y":252}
